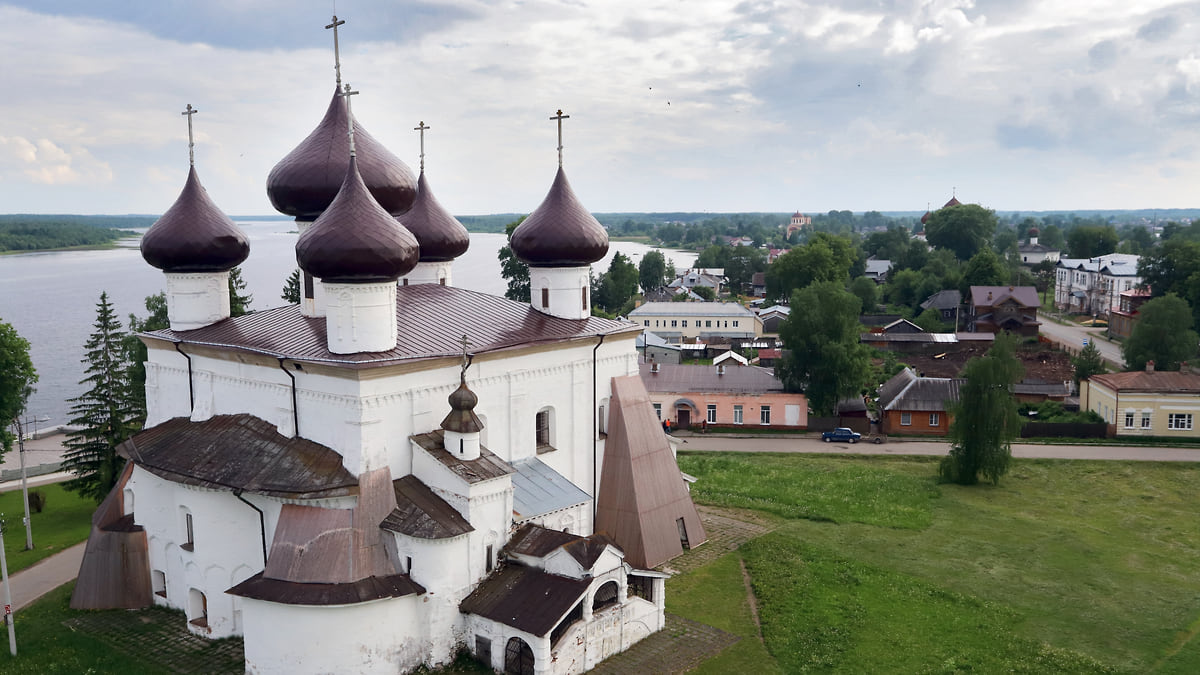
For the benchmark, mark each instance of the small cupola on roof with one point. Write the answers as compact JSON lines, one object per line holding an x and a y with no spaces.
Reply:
{"x":196,"y":245}
{"x":358,"y":251}
{"x":441,"y":237}
{"x":560,"y":240}
{"x":461,"y":427}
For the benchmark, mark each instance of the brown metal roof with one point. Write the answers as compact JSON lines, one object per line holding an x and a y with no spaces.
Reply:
{"x":908,"y":392}
{"x":440,"y":234}
{"x":115,"y":570}
{"x":560,"y":232}
{"x":674,"y":378}
{"x":431,"y":319}
{"x":1167,"y":382}
{"x":587,"y":550}
{"x":194,"y":235}
{"x":239,"y":452}
{"x":642,"y":493}
{"x":421,"y":513}
{"x":537,"y":541}
{"x":525,"y":598}
{"x":355,"y":240}
{"x":487,"y":467}
{"x":259,"y":587}
{"x":990,"y":296}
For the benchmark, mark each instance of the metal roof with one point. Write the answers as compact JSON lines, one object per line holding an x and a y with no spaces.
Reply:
{"x":537,"y":541}
{"x":723,"y":309}
{"x":1167,"y":382}
{"x":431,"y":321}
{"x":674,"y":378}
{"x":538,"y":489}
{"x":239,"y":452}
{"x":943,"y":300}
{"x":486,"y":467}
{"x":525,"y":598}
{"x":421,"y":513}
{"x":906,"y":391}
{"x":990,"y":296}
{"x":259,"y":587}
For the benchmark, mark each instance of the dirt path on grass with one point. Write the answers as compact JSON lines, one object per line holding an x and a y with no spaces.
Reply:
{"x":753,"y":600}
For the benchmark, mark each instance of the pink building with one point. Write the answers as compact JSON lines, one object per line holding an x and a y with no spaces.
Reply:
{"x":730,"y":395}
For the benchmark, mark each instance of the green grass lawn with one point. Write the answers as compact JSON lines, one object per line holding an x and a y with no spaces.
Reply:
{"x":64,"y":522}
{"x":1066,"y":566}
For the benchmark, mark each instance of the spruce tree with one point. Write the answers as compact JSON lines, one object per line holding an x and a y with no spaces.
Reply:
{"x":136,"y":353}
{"x":239,"y":299}
{"x":104,"y":414}
{"x":291,"y":289}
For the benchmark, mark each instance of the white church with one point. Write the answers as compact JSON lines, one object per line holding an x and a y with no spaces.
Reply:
{"x":394,"y":469}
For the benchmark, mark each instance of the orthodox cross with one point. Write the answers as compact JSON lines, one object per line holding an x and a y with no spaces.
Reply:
{"x":421,"y":128}
{"x":346,"y":93}
{"x":337,"y":58}
{"x":560,"y":117}
{"x":191,"y":143}
{"x":466,"y":357}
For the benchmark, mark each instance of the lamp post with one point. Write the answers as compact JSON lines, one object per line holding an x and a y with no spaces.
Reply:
{"x":8,"y":612}
{"x":24,"y":480}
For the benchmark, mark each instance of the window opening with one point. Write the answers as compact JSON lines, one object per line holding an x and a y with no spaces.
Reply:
{"x":683,"y":536}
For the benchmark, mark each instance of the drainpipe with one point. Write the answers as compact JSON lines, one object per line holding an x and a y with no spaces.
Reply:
{"x":191,"y":387}
{"x":262,"y":524}
{"x":295,"y":409}
{"x":595,"y":435}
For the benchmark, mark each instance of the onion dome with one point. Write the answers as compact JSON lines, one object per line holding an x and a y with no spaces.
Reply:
{"x":1032,"y":232}
{"x":462,"y":417}
{"x":440,"y":234}
{"x":953,"y":202}
{"x":194,"y":235}
{"x":560,"y":232}
{"x":305,"y":182}
{"x":355,"y":240}
{"x":925,"y":218}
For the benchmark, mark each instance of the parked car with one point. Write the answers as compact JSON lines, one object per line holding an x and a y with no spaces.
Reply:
{"x":842,"y":435}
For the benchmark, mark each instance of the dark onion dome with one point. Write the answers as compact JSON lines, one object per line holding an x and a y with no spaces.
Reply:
{"x":953,"y":202}
{"x":560,"y":232}
{"x":925,"y":218}
{"x":1033,"y":232}
{"x":305,"y":182}
{"x":462,"y":417}
{"x":194,"y":235}
{"x":440,"y":234}
{"x":355,"y":240}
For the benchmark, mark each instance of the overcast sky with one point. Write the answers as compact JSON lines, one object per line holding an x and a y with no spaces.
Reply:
{"x":675,"y":105}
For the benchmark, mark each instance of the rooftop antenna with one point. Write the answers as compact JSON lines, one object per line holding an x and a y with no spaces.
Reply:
{"x":560,"y":117}
{"x":191,"y":140}
{"x":422,"y":128}
{"x":337,"y":57}
{"x":347,"y":93}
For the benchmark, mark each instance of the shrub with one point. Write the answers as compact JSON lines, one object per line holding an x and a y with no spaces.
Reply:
{"x":37,"y":501}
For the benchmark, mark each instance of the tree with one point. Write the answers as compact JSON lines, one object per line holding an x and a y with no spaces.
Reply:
{"x":741,"y":265}
{"x":239,"y":299}
{"x":291,"y":288}
{"x":1173,"y":267}
{"x":514,"y":270}
{"x":135,"y":351}
{"x":824,"y":357}
{"x":985,"y":417}
{"x":825,"y":257}
{"x":1089,"y":241}
{"x":963,"y":229}
{"x":866,"y":291}
{"x":617,"y":286}
{"x":930,"y":321}
{"x":103,"y":415}
{"x":17,"y":376}
{"x":705,"y":292}
{"x":1163,"y":334}
{"x":1052,"y":236}
{"x":1088,"y":363}
{"x":983,"y":269}
{"x":652,"y":271}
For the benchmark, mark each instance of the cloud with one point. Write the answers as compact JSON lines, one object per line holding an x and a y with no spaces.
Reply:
{"x":1103,"y":54}
{"x":1159,"y":29}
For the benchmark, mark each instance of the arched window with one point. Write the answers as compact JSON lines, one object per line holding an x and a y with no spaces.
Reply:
{"x":605,"y":596}
{"x":518,"y":658}
{"x":189,"y":530}
{"x":197,"y":608}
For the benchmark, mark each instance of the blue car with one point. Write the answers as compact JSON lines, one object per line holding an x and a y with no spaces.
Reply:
{"x":842,"y":435}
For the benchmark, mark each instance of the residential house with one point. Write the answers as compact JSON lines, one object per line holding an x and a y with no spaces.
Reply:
{"x":1008,"y":308}
{"x":1094,"y":285}
{"x":677,"y":321}
{"x":911,"y":404}
{"x":727,"y":395}
{"x":713,"y":278}
{"x":1032,"y":252}
{"x":767,"y":358}
{"x":731,"y":358}
{"x":773,"y":317}
{"x":1145,"y":402}
{"x":878,"y":270}
{"x":1122,"y":319}
{"x":947,"y":304}
{"x":758,"y":284}
{"x":654,"y":348}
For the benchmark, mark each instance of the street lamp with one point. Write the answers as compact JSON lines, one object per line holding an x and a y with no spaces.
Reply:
{"x":24,"y":482}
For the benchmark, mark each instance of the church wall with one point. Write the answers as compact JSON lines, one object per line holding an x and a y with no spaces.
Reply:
{"x":609,"y":631}
{"x":498,"y":635}
{"x":384,"y":636}
{"x":445,"y":568}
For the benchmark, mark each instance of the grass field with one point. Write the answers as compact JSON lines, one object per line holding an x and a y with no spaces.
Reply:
{"x":1067,"y":566}
{"x":64,"y":522}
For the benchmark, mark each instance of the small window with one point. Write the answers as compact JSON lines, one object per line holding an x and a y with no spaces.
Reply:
{"x":408,"y":564}
{"x":683,"y":535}
{"x":545,"y":298}
{"x":708,"y":324}
{"x":483,"y":649}
{"x":602,"y":420}
{"x":1129,"y":419}
{"x":1145,"y":420}
{"x":488,"y":561}
{"x":583,"y":298}
{"x":737,"y":414}
{"x":764,"y":415}
{"x":543,"y":432}
{"x":934,"y":419}
{"x":712,"y":413}
{"x":189,"y":533}
{"x":735,"y":323}
{"x":405,"y":280}
{"x":684,"y":323}
{"x":197,"y":608}
{"x":647,"y":323}
{"x":158,"y":582}
{"x":658,"y":410}
{"x":1179,"y":421}
{"x":674,"y":323}
{"x":905,"y":419}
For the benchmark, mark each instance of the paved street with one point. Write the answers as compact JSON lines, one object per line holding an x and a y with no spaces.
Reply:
{"x":1073,"y":335}
{"x":792,"y":444}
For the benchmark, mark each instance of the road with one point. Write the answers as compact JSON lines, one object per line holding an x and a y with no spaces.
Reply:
{"x":1072,"y":336}
{"x":792,"y":444}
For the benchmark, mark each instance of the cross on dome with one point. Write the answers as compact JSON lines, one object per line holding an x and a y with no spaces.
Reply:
{"x":466,"y":356}
{"x":191,"y":142}
{"x":347,"y":93}
{"x":422,"y":128}
{"x":560,"y":117}
{"x":337,"y":57}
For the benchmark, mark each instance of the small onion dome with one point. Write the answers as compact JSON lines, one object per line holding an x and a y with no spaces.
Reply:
{"x":1033,"y":232}
{"x":925,"y":218}
{"x":953,"y":202}
{"x":440,"y":234}
{"x":305,"y":182}
{"x":193,"y":235}
{"x":560,"y":232}
{"x":462,"y":417}
{"x":355,"y":240}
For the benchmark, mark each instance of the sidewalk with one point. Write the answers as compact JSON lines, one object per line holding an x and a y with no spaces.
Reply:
{"x":32,"y":583}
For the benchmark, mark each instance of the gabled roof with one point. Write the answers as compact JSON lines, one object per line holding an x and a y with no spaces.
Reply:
{"x":878,"y":267}
{"x":906,"y":391}
{"x":538,"y":489}
{"x":422,"y":514}
{"x":259,"y":587}
{"x":525,"y":598}
{"x":536,"y":541}
{"x":239,"y":452}
{"x":991,"y":296}
{"x":730,"y":356}
{"x":943,"y":300}
{"x":730,"y":310}
{"x":673,"y":378}
{"x":1158,"y":381}
{"x":486,"y":467}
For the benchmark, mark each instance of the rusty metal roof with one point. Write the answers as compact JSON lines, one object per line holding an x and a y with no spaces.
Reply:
{"x":537,"y":541}
{"x":431,"y":321}
{"x":538,"y":489}
{"x":259,"y":587}
{"x":421,"y":513}
{"x":487,"y":467}
{"x":194,"y":235}
{"x":239,"y":452}
{"x":675,"y":378}
{"x":525,"y":598}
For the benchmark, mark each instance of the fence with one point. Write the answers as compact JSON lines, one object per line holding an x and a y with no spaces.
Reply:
{"x":1065,"y":430}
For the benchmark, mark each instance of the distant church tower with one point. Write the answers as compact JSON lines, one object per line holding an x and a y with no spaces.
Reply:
{"x":560,"y":240}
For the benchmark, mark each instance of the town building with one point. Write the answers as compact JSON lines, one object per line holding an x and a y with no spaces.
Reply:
{"x":1008,"y":308}
{"x":1122,"y":319}
{"x":797,"y":224}
{"x":773,"y":318}
{"x":1094,"y":285}
{"x":1032,"y":252}
{"x":911,"y":404}
{"x":679,"y":321}
{"x":878,"y":270}
{"x":947,"y":304}
{"x":387,"y":473}
{"x":712,"y":278}
{"x":726,"y":395}
{"x":1145,"y":402}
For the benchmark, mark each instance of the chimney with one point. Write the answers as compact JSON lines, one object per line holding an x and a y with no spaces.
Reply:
{"x":989,"y":297}
{"x":720,"y":370}
{"x":1150,"y":366}
{"x":653,"y":368}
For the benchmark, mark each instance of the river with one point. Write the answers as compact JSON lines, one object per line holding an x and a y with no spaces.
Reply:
{"x":51,"y":297}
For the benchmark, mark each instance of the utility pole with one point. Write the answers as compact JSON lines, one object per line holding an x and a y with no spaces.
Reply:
{"x":24,"y":484}
{"x":8,"y":611}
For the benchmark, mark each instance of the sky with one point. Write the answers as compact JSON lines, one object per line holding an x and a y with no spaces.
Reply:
{"x":675,"y":105}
